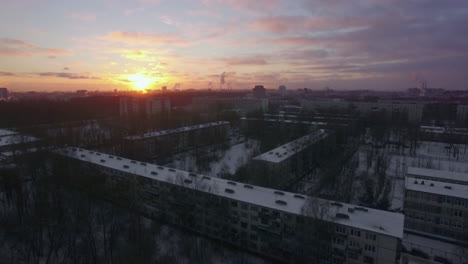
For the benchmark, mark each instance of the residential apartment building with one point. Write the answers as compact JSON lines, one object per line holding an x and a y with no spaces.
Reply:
{"x":144,"y":106}
{"x":287,"y":163}
{"x":410,"y":111}
{"x":436,"y":204}
{"x":14,"y":144}
{"x":462,"y":114}
{"x":244,"y":105}
{"x":443,"y":134}
{"x":438,"y":175}
{"x":276,"y":224}
{"x":160,"y":143}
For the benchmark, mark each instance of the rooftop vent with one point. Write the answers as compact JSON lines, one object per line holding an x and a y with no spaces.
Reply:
{"x":126,"y":166}
{"x":187,"y":181}
{"x":142,"y":163}
{"x":281,"y":202}
{"x":231,"y":183}
{"x":91,"y":152}
{"x":448,"y":187}
{"x":422,"y":182}
{"x":119,"y":159}
{"x":103,"y":161}
{"x":206,"y":178}
{"x":154,"y":173}
{"x":74,"y":149}
{"x":342,"y":216}
{"x":99,"y":154}
{"x":351,"y":210}
{"x":336,"y":204}
{"x":192,"y":175}
{"x":161,"y":168}
{"x":361,"y":209}
{"x":248,"y":186}
{"x":432,"y":184}
{"x":299,"y":196}
{"x":172,"y":170}
{"x":134,"y":162}
{"x":279,"y":193}
{"x":229,"y":190}
{"x":83,"y":156}
{"x":111,"y":157}
{"x":415,"y":182}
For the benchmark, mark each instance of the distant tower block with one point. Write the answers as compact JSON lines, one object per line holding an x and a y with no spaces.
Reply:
{"x":4,"y":93}
{"x":259,"y":91}
{"x":282,"y":89}
{"x":164,"y":88}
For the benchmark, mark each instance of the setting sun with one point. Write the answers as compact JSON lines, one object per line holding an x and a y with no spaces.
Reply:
{"x":140,"y":82}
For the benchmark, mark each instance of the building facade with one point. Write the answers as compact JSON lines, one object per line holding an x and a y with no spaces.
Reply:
{"x":142,"y":106}
{"x":244,"y":105}
{"x":4,"y":94}
{"x":160,"y":143}
{"x":409,"y":111}
{"x":435,"y":206}
{"x":294,"y":160}
{"x":462,"y":114}
{"x":279,"y":225}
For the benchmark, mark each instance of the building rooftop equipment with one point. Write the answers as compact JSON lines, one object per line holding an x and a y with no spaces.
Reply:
{"x":373,"y":220}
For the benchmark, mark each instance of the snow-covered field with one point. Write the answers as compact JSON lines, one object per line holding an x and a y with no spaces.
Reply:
{"x":432,"y":155}
{"x":224,"y":161}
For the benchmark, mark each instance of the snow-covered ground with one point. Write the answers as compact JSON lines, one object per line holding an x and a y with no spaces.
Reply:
{"x":440,"y":156}
{"x":224,"y":161}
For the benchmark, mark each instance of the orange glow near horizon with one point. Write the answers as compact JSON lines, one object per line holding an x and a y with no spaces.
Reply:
{"x":141,"y":82}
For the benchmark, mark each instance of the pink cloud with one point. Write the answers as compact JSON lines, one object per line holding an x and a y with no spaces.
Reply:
{"x":147,"y":38}
{"x":14,"y":47}
{"x":249,"y":5}
{"x":244,"y":61}
{"x":282,"y":24}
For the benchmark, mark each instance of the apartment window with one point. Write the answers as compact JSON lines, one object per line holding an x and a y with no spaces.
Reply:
{"x":338,"y":241}
{"x":244,"y":225}
{"x":254,"y":218}
{"x":355,"y":232}
{"x":369,"y":248}
{"x":254,"y":208}
{"x":458,"y":213}
{"x":244,"y":206}
{"x":368,"y":260}
{"x":244,"y":215}
{"x":340,"y":229}
{"x":353,"y":255}
{"x":353,"y":243}
{"x":370,"y":236}
{"x":233,"y":204}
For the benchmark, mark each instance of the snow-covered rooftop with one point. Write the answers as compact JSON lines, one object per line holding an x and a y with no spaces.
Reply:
{"x":438,"y":175}
{"x":176,"y":130}
{"x":6,"y":132}
{"x":436,"y":187}
{"x":16,"y":139}
{"x":287,"y":150}
{"x":285,"y":121}
{"x":441,"y":130}
{"x":378,"y":221}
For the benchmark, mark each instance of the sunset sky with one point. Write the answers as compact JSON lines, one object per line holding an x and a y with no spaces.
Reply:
{"x":120,"y":44}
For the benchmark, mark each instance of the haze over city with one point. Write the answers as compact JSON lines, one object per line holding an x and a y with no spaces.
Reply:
{"x":234,"y":131}
{"x":48,"y":45}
